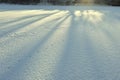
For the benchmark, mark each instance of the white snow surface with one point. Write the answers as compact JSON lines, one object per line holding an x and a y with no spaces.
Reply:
{"x":59,"y":42}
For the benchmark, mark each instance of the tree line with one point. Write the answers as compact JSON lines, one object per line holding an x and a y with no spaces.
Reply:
{"x":61,"y":2}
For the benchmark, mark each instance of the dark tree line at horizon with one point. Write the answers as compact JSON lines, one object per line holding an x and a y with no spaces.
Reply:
{"x":60,"y":2}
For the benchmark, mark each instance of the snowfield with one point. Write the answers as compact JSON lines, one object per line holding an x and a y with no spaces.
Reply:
{"x":59,"y":42}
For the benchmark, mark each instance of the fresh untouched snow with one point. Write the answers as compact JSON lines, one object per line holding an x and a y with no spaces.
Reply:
{"x":59,"y":42}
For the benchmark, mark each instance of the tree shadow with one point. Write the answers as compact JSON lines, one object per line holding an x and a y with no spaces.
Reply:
{"x":78,"y":59}
{"x":31,"y":52}
{"x":18,"y":26}
{"x":26,"y":17}
{"x":109,"y":26}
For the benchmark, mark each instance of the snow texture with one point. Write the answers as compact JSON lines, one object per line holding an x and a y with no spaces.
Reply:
{"x":59,"y":42}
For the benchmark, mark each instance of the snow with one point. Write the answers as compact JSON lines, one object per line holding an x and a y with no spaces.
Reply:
{"x":59,"y":42}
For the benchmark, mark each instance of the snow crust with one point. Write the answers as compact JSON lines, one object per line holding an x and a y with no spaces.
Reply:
{"x":59,"y":42}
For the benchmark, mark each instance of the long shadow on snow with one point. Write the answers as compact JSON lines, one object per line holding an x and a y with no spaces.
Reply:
{"x":110,"y":34}
{"x":107,"y":28}
{"x":79,"y":60}
{"x":16,"y":27}
{"x":17,"y":36}
{"x":12,"y":29}
{"x":31,"y":52}
{"x":25,"y":17}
